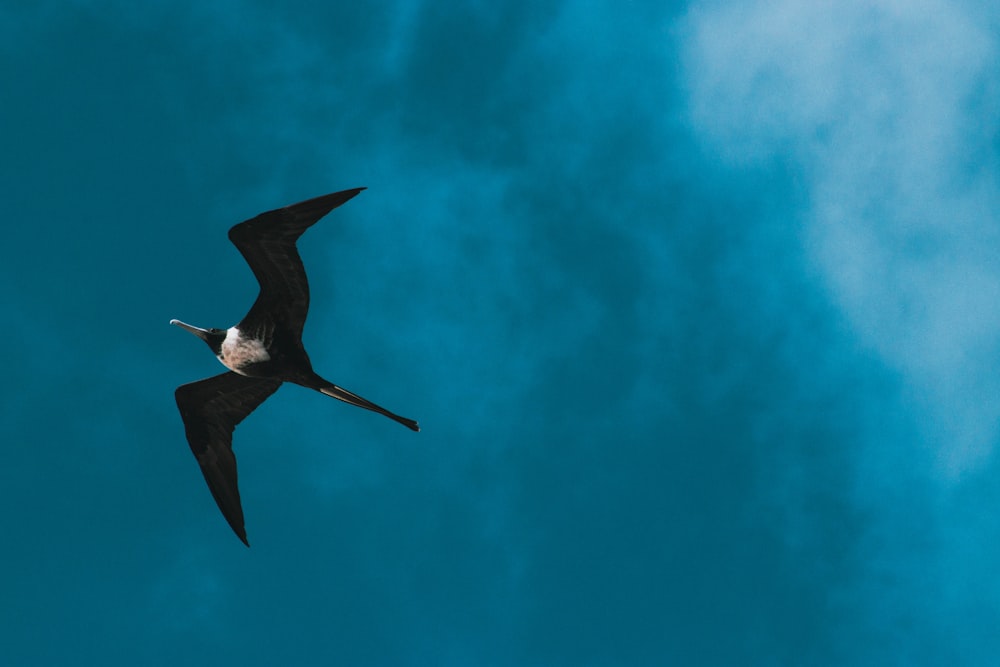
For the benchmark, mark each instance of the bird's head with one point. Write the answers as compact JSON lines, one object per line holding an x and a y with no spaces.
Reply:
{"x":213,"y":337}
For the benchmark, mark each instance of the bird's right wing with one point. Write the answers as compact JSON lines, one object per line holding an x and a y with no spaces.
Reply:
{"x":211,"y":409}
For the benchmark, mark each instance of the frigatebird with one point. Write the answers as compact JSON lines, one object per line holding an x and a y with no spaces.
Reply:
{"x":262,"y":351}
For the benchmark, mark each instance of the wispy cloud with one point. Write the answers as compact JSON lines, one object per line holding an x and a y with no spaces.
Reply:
{"x":888,"y":111}
{"x":885,"y":116}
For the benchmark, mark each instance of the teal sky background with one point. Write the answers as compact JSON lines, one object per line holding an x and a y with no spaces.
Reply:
{"x":696,"y":304}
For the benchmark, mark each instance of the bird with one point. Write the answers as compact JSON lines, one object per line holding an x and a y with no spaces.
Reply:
{"x":263,"y":351}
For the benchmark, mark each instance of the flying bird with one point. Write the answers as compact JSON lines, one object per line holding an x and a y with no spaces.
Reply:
{"x":262,"y":351}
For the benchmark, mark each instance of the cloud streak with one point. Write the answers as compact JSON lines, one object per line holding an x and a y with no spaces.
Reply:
{"x":887,"y":110}
{"x":885,"y":115}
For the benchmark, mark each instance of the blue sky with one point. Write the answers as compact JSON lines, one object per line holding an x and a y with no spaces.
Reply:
{"x":696,"y":303}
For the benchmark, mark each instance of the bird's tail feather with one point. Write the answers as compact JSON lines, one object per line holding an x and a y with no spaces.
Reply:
{"x":342,"y":394}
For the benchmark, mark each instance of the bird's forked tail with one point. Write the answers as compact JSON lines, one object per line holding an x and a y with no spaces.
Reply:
{"x":342,"y":394}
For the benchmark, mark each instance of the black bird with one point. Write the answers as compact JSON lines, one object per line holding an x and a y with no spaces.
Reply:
{"x":262,"y":351}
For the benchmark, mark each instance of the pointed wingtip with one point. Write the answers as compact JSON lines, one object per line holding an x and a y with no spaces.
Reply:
{"x":236,"y":523}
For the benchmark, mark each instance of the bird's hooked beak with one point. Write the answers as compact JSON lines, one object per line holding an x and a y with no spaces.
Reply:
{"x":200,"y":333}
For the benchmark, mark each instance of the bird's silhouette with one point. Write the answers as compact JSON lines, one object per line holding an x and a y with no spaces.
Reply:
{"x":262,"y":351}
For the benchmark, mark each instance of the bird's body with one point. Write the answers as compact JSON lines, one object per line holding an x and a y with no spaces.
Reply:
{"x":239,"y":351}
{"x":262,"y":351}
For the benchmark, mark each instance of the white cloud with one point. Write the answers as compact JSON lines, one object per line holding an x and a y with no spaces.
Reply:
{"x":888,"y":109}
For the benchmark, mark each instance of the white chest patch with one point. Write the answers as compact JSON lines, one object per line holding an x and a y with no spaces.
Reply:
{"x":238,"y":352}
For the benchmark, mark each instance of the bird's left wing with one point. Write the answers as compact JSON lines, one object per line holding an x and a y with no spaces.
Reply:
{"x":267,"y":242}
{"x":211,"y":409}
